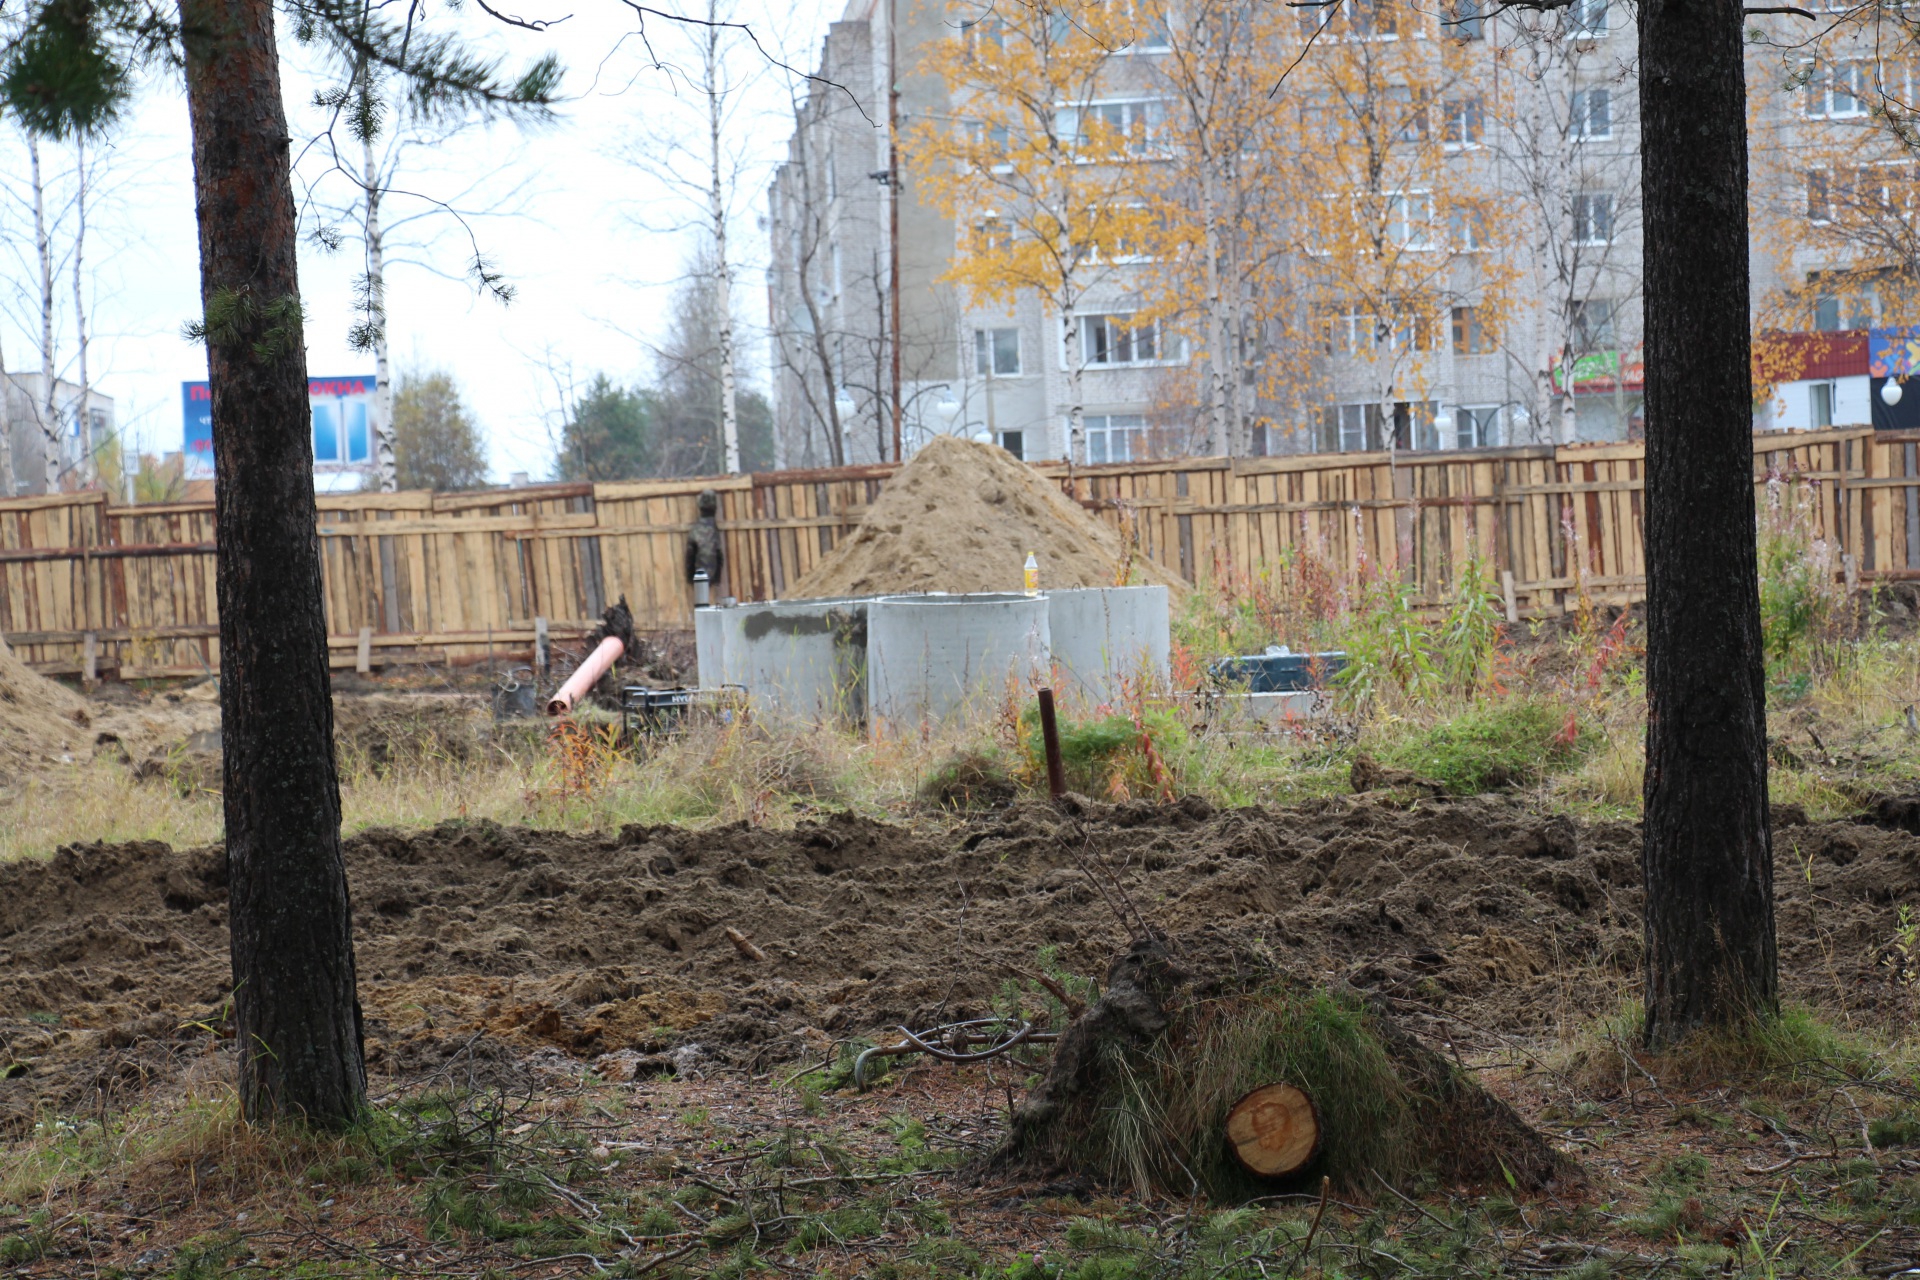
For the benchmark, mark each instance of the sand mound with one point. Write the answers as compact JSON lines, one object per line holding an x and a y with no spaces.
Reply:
{"x":962,"y":517}
{"x":38,"y":718}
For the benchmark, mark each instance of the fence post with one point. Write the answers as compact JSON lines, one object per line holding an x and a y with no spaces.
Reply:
{"x":1506,"y":589}
{"x":363,"y":652}
{"x":90,"y":661}
{"x":540,"y":650}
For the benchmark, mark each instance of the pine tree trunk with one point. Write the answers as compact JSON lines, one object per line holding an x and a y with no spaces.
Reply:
{"x":298,"y":1019}
{"x":1707,"y":858}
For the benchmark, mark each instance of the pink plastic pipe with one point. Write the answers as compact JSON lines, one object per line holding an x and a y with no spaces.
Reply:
{"x":587,"y":676}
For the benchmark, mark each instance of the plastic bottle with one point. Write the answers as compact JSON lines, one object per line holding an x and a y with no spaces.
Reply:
{"x":1033,"y":574}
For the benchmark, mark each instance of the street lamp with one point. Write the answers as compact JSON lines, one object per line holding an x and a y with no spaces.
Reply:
{"x":1890,"y":393}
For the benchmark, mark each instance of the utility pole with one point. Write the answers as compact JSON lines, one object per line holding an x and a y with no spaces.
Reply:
{"x":893,"y":206}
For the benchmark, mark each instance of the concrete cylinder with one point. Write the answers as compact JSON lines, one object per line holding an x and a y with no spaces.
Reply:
{"x":801,"y":660}
{"x":710,"y":647}
{"x":1101,"y":636}
{"x":930,"y":657}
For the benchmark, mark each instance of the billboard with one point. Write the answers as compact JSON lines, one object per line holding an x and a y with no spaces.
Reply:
{"x":341,"y":420}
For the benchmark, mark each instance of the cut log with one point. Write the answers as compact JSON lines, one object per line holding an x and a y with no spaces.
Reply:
{"x":1274,"y":1130}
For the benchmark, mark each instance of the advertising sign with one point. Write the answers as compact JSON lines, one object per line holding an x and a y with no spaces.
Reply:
{"x":1893,"y":353}
{"x":342,"y":423}
{"x":1600,"y":372}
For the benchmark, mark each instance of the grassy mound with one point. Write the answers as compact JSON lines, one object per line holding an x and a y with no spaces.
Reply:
{"x":1490,"y":747}
{"x":1139,"y":1088}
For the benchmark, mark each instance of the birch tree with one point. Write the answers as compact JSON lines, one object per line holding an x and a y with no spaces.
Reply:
{"x":1044,"y":178}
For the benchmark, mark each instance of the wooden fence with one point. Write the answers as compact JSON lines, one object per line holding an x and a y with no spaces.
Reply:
{"x":88,"y":585}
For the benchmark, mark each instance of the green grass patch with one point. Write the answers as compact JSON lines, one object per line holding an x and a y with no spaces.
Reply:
{"x":1497,"y":745}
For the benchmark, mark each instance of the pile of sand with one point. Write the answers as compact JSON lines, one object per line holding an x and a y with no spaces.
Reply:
{"x":962,"y":517}
{"x":39,"y":720}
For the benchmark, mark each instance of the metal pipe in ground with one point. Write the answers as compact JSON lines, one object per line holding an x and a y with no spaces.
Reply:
{"x":604,"y":656}
{"x":1050,"y":739}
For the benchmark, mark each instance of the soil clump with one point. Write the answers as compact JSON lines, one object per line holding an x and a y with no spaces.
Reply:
{"x":962,"y":517}
{"x":1469,"y":918}
{"x":40,"y":720}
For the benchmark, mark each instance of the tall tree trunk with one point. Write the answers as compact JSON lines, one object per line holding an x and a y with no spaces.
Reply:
{"x":373,"y":188}
{"x":48,"y":410}
{"x":1219,"y":381}
{"x":1707,"y":858}
{"x":290,"y":920}
{"x":80,"y":309}
{"x":722,"y":278}
{"x":1076,"y":406}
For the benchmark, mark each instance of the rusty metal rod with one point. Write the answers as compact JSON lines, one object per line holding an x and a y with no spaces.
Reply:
{"x":1050,"y":739}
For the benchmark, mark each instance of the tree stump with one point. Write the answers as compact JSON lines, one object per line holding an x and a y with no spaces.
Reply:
{"x":1274,"y":1130}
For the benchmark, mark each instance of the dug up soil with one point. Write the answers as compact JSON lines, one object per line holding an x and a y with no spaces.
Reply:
{"x":493,"y":943}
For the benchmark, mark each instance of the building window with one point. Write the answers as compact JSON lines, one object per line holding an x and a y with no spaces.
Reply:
{"x":1464,"y":122}
{"x":1015,"y":443}
{"x":1352,"y":20}
{"x":1410,"y":219}
{"x":1467,"y":228}
{"x":1349,"y":428}
{"x":1467,"y":21}
{"x":340,"y":431}
{"x":1470,"y":334}
{"x":1820,"y":404}
{"x":1133,"y":127}
{"x":996,"y":353}
{"x":1115,"y":437}
{"x":1587,"y":18}
{"x":1592,"y":113}
{"x":1593,"y":328}
{"x":990,"y":235}
{"x":1593,"y":218}
{"x":1819,"y":196}
{"x":1112,"y":340}
{"x":1476,"y":426}
{"x":1411,"y":111}
{"x":1838,"y":91}
{"x":1359,"y":333}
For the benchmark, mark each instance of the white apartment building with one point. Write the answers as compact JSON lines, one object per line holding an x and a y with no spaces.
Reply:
{"x":23,"y":412}
{"x":1557,"y":161}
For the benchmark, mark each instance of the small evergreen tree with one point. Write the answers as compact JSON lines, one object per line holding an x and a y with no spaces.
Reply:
{"x":609,"y":435}
{"x":435,"y":442}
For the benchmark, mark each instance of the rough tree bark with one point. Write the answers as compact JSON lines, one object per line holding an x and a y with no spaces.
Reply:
{"x":1707,"y":857}
{"x":48,"y":409}
{"x":298,"y":1019}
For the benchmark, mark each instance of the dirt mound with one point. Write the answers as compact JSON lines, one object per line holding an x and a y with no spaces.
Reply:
{"x":962,"y":517}
{"x":39,"y":720}
{"x":1479,"y":913}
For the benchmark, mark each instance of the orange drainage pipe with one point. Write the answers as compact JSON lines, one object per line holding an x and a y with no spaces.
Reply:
{"x":586,"y":676}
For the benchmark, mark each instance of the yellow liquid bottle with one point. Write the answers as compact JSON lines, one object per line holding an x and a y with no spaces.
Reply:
{"x":1033,"y":574}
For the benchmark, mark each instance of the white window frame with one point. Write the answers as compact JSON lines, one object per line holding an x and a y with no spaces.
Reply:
{"x":1821,"y":98}
{"x":1410,"y":219}
{"x":1589,"y":19}
{"x":1584,"y":226}
{"x":1163,"y":339}
{"x":986,"y":352}
{"x":1581,"y":111}
{"x":1067,"y":116}
{"x":1132,"y":428}
{"x":1486,"y":422}
{"x":1469,"y":107}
